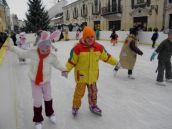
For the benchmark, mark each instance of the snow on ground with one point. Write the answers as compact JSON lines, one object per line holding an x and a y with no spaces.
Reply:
{"x":126,"y":104}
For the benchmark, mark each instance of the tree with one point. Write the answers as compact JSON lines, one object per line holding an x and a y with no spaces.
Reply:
{"x":37,"y":17}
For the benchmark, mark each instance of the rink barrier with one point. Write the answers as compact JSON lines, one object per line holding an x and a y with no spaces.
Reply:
{"x":3,"y":50}
{"x":144,"y":36}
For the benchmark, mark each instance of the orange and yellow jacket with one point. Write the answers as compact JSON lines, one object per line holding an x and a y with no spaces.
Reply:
{"x":85,"y":59}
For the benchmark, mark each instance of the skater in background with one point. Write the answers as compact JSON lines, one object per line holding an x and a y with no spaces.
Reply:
{"x":78,"y":34}
{"x":98,"y":32}
{"x":42,"y":59}
{"x":84,"y":57}
{"x":38,"y":35}
{"x":13,"y":37}
{"x":23,"y":44}
{"x":154,"y":37}
{"x":129,"y":53}
{"x":164,"y":51}
{"x":66,"y":34}
{"x":114,"y":37}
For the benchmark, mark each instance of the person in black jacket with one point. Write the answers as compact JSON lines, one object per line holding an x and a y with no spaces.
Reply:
{"x":154,"y":37}
{"x":164,"y":51}
{"x":13,"y":37}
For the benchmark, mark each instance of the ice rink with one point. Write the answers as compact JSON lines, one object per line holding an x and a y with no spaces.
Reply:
{"x":126,"y":103}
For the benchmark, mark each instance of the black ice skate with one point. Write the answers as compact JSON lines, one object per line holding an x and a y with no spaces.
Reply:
{"x":75,"y":111}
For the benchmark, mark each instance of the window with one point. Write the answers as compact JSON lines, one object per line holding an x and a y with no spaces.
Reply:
{"x":140,"y":1}
{"x":84,"y":11}
{"x":96,"y":7}
{"x":170,"y":21}
{"x":67,"y":15}
{"x":75,"y":13}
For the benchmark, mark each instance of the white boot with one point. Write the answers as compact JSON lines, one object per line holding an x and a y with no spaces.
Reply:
{"x":38,"y":125}
{"x":53,"y":119}
{"x":161,"y":83}
{"x":131,"y":77}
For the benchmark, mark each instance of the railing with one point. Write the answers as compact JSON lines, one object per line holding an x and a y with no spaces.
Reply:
{"x":110,"y":10}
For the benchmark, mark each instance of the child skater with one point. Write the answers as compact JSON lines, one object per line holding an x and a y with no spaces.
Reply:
{"x":23,"y":44}
{"x":164,"y":51}
{"x":129,"y":53}
{"x":114,"y":37}
{"x":78,"y":34}
{"x":84,"y":57}
{"x":40,"y":75}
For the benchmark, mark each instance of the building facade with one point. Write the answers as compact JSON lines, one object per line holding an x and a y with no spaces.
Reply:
{"x":119,"y":14}
{"x":168,"y":14}
{"x":4,"y":16}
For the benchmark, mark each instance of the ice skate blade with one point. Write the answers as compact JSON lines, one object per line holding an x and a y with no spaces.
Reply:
{"x":96,"y":113}
{"x":161,"y":83}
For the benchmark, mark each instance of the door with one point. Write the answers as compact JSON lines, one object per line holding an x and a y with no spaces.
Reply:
{"x":170,"y":21}
{"x":115,"y":25}
{"x":96,"y":25}
{"x":140,"y":22}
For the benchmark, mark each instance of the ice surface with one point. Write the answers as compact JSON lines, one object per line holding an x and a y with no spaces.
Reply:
{"x":126,"y":103}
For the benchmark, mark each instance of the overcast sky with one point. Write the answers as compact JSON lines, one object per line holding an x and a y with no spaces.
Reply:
{"x":20,"y":7}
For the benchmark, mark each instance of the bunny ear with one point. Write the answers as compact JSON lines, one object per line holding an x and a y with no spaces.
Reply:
{"x":44,"y":35}
{"x":54,"y":35}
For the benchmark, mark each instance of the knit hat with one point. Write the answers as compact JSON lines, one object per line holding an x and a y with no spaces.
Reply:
{"x":88,"y":31}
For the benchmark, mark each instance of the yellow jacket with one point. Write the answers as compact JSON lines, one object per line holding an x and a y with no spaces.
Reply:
{"x":85,"y":60}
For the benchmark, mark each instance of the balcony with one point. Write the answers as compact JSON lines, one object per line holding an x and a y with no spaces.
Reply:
{"x":110,"y":10}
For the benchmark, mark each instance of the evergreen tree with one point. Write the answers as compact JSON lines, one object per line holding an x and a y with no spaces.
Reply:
{"x":37,"y":17}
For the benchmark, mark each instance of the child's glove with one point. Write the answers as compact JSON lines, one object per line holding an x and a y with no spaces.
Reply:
{"x":64,"y":74}
{"x":153,"y":56}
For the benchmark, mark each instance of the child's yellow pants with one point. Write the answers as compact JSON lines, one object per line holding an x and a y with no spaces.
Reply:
{"x":79,"y":93}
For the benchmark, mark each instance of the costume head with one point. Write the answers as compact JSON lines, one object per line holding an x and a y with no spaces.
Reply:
{"x":44,"y":44}
{"x":22,"y":37}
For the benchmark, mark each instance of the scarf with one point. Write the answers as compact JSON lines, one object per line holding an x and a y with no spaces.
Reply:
{"x":39,"y":74}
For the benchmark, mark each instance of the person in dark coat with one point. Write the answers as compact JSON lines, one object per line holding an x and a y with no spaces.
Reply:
{"x":154,"y":37}
{"x":164,"y":51}
{"x":114,"y":37}
{"x":13,"y":37}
